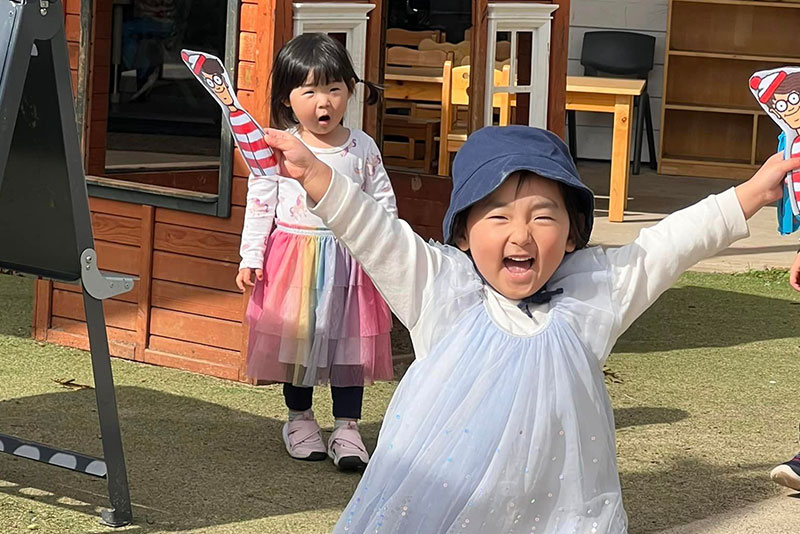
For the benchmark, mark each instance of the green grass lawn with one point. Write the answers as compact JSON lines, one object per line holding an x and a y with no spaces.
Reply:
{"x":704,"y":401}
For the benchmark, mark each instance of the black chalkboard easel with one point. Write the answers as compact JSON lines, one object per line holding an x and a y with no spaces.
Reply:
{"x":45,"y":224}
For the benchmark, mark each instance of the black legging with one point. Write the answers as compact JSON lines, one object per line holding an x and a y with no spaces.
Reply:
{"x":346,"y":401}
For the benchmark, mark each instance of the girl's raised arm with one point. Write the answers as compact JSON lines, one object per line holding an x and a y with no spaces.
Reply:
{"x":401,"y":265}
{"x":650,"y":265}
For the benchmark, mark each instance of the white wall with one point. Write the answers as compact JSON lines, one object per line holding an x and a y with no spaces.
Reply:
{"x":642,"y":16}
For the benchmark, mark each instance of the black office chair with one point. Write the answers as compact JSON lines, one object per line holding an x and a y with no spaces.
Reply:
{"x":624,"y":54}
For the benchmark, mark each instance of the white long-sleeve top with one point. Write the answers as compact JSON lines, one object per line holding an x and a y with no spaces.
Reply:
{"x":276,"y":198}
{"x":503,"y":424}
{"x":403,"y":266}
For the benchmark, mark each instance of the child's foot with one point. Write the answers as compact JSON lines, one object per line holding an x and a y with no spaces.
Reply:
{"x":346,"y":448}
{"x":303,"y":439}
{"x":788,"y":473}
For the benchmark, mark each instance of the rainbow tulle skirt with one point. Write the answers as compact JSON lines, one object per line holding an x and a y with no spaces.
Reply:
{"x":316,"y":318}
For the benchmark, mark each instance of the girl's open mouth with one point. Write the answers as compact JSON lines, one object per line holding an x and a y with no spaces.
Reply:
{"x":518,"y":265}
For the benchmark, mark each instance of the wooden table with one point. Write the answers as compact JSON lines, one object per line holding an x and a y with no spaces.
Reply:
{"x":610,"y":95}
{"x":413,"y":83}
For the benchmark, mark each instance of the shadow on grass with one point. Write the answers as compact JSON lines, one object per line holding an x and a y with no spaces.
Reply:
{"x":696,"y":317}
{"x":16,"y":305}
{"x":191,"y":463}
{"x":688,"y":489}
{"x":647,"y":415}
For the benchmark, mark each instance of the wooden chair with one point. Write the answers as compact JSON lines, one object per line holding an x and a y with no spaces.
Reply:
{"x":455,"y":94}
{"x":397,"y":56}
{"x":401,"y":147}
{"x":502,"y":50}
{"x":401,"y":56}
{"x":497,"y":64}
{"x":409,"y":128}
{"x":408,"y":38}
{"x":459,"y":50}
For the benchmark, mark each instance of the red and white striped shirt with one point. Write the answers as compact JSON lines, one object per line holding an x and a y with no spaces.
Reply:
{"x":250,"y":140}
{"x":795,"y":179}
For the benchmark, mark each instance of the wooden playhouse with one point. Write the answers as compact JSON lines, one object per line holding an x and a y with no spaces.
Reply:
{"x":174,"y":220}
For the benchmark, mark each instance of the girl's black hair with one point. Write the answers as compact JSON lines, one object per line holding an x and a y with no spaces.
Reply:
{"x":322,"y":56}
{"x":578,"y":232}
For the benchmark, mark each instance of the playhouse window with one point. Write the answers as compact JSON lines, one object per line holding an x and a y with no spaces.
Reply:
{"x":154,"y":134}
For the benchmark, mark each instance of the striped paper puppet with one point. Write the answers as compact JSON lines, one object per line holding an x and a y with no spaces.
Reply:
{"x":778,"y":93}
{"x":247,"y":133}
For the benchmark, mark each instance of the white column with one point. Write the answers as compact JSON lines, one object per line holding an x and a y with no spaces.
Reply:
{"x":350,"y":19}
{"x":516,"y":18}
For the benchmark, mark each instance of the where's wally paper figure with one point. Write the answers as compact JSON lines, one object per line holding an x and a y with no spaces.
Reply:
{"x":247,"y":134}
{"x":778,"y":92}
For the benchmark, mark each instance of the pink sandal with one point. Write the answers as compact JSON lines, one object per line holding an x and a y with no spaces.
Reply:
{"x":346,"y":448}
{"x":303,"y":440}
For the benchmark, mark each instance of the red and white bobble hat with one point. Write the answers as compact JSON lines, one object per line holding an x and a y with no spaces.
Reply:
{"x":765,"y":86}
{"x":193,"y":60}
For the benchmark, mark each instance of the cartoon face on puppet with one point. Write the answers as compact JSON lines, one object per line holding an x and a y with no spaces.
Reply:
{"x":787,"y":106}
{"x":208,"y":69}
{"x":212,"y":72}
{"x":779,"y":93}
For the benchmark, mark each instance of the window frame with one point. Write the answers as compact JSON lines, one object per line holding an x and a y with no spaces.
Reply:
{"x":106,"y":187}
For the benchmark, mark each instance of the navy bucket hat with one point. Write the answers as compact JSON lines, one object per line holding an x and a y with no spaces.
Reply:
{"x":492,"y":154}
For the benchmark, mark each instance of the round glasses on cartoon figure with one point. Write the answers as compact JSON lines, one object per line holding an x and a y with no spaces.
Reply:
{"x":216,"y":79}
{"x":782,"y":105}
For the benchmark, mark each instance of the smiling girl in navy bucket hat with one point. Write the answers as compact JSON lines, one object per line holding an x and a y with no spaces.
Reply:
{"x":503,"y":423}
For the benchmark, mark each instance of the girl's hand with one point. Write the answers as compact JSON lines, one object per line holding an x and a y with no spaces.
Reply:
{"x":245,"y":277}
{"x":766,"y":185}
{"x":296,"y":161}
{"x":794,"y":273}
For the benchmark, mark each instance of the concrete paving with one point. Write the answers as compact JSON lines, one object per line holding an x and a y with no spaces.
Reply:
{"x":651,"y":197}
{"x":779,"y":515}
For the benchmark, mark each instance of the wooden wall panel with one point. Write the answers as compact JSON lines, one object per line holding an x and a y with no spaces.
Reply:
{"x":248,"y":14}
{"x":143,"y":288}
{"x":195,"y":271}
{"x":422,"y":201}
{"x":113,"y":207}
{"x":246,"y":75}
{"x":215,"y":355}
{"x":196,"y":328}
{"x":117,"y":258}
{"x":118,"y":314}
{"x":130,"y":296}
{"x":557,"y":90}
{"x":247,"y":46}
{"x":42,"y":307}
{"x":194,"y":242}
{"x":99,"y":69}
{"x":72,"y":27}
{"x":197,"y":300}
{"x":74,"y":334}
{"x":192,"y":357}
{"x":112,"y":228}
{"x":231,"y":225}
{"x":239,"y":191}
{"x":239,"y":166}
{"x":72,"y":7}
